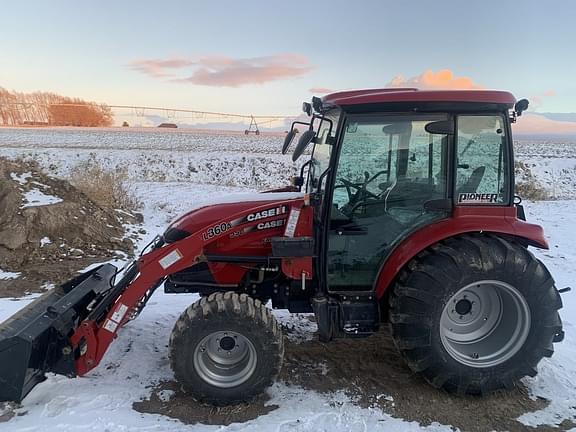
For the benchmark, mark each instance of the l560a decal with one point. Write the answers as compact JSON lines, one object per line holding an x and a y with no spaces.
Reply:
{"x":215,"y":230}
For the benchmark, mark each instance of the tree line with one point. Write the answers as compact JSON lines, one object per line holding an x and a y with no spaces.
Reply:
{"x":50,"y":109}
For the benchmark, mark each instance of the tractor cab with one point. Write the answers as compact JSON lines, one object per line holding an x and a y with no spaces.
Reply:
{"x":387,"y":163}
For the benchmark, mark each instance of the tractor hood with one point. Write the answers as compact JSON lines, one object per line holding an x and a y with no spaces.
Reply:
{"x":207,"y":213}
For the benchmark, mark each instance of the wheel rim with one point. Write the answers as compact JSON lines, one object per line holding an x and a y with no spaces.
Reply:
{"x":225,"y":359}
{"x":485,"y":323}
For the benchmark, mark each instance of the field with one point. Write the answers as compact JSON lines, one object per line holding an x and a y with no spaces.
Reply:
{"x":344,"y":386}
{"x":226,"y":158}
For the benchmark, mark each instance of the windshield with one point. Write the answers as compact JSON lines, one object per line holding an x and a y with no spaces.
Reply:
{"x":322,"y":151}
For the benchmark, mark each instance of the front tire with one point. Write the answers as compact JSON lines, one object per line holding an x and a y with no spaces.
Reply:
{"x":226,"y":348}
{"x":474,"y":314}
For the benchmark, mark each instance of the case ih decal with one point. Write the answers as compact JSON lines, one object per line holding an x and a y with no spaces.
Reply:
{"x":276,"y":211}
{"x":271,"y":224}
{"x":253,"y":217}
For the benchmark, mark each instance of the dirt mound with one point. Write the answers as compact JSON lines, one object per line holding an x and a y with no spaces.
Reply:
{"x":372,"y":372}
{"x":49,"y":230}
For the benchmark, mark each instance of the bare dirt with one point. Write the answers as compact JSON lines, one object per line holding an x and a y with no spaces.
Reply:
{"x":47,"y":244}
{"x":372,"y":372}
{"x":184,"y":408}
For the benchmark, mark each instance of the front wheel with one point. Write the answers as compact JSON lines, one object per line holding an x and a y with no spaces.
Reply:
{"x":474,"y":314}
{"x":226,"y":348}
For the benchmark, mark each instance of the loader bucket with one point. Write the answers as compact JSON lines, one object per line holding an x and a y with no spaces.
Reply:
{"x":35,"y":340}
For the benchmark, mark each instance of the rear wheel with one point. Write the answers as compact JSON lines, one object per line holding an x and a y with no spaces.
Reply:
{"x":474,"y":314}
{"x":226,"y":348}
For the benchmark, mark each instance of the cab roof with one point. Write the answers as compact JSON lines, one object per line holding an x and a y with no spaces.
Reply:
{"x":393,"y":95}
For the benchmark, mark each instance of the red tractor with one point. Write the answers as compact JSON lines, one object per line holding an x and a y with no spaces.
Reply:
{"x":404,"y":214}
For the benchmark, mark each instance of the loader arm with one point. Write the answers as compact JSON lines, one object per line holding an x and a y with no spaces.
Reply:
{"x":69,"y":329}
{"x":93,"y":336}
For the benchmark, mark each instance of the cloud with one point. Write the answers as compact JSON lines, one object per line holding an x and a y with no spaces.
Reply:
{"x":158,"y":68}
{"x":320,"y":90}
{"x":430,"y":80}
{"x":221,"y":71}
{"x":537,"y":99}
{"x":536,"y":124}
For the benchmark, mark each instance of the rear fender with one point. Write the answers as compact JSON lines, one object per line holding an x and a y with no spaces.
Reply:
{"x":496,"y":220}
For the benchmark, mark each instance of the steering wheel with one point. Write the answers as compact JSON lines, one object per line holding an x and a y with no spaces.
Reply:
{"x":362,"y":194}
{"x":349,"y":185}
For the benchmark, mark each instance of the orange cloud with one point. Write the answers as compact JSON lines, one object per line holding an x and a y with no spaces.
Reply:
{"x":320,"y":90}
{"x":535,"y":124}
{"x":221,"y":71}
{"x":443,"y":79}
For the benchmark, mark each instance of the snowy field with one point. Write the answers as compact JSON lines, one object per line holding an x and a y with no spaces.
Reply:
{"x":138,"y":359}
{"x":228,"y":159}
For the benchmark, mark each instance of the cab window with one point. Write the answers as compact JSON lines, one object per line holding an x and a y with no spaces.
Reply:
{"x":482,"y":175}
{"x":389,"y":167}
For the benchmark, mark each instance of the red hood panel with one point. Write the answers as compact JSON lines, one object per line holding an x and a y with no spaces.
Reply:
{"x":226,"y":206}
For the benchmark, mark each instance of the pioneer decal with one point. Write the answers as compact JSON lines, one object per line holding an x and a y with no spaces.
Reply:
{"x":276,"y":211}
{"x":215,"y":230}
{"x":478,"y":198}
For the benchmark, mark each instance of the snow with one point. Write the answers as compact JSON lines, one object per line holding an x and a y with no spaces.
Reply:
{"x":21,"y":178}
{"x":8,"y":275}
{"x":220,"y":169}
{"x":9,"y":306}
{"x":35,"y":197}
{"x":44,"y":241}
{"x":557,"y":375}
{"x":165,"y":395}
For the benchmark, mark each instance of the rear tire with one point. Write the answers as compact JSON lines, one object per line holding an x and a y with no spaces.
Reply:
{"x":226,"y":348}
{"x":474,"y":314}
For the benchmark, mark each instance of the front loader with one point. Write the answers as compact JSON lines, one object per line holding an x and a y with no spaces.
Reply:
{"x":405,"y":214}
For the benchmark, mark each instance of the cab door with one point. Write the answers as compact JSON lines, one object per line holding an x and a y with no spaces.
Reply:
{"x":388,"y":168}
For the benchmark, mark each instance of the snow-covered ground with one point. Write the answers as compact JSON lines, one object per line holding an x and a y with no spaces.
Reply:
{"x":103,"y":399}
{"x":227,"y":159}
{"x":138,"y":359}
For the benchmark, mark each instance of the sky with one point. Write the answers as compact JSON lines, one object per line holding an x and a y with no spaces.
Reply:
{"x":266,"y":57}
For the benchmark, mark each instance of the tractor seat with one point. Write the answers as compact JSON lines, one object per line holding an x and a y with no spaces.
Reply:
{"x":474,"y":181}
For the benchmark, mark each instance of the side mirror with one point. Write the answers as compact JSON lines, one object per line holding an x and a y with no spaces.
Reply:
{"x":303,"y":143}
{"x":521,"y":106}
{"x":317,"y":104}
{"x":288,"y":140}
{"x":297,"y":181}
